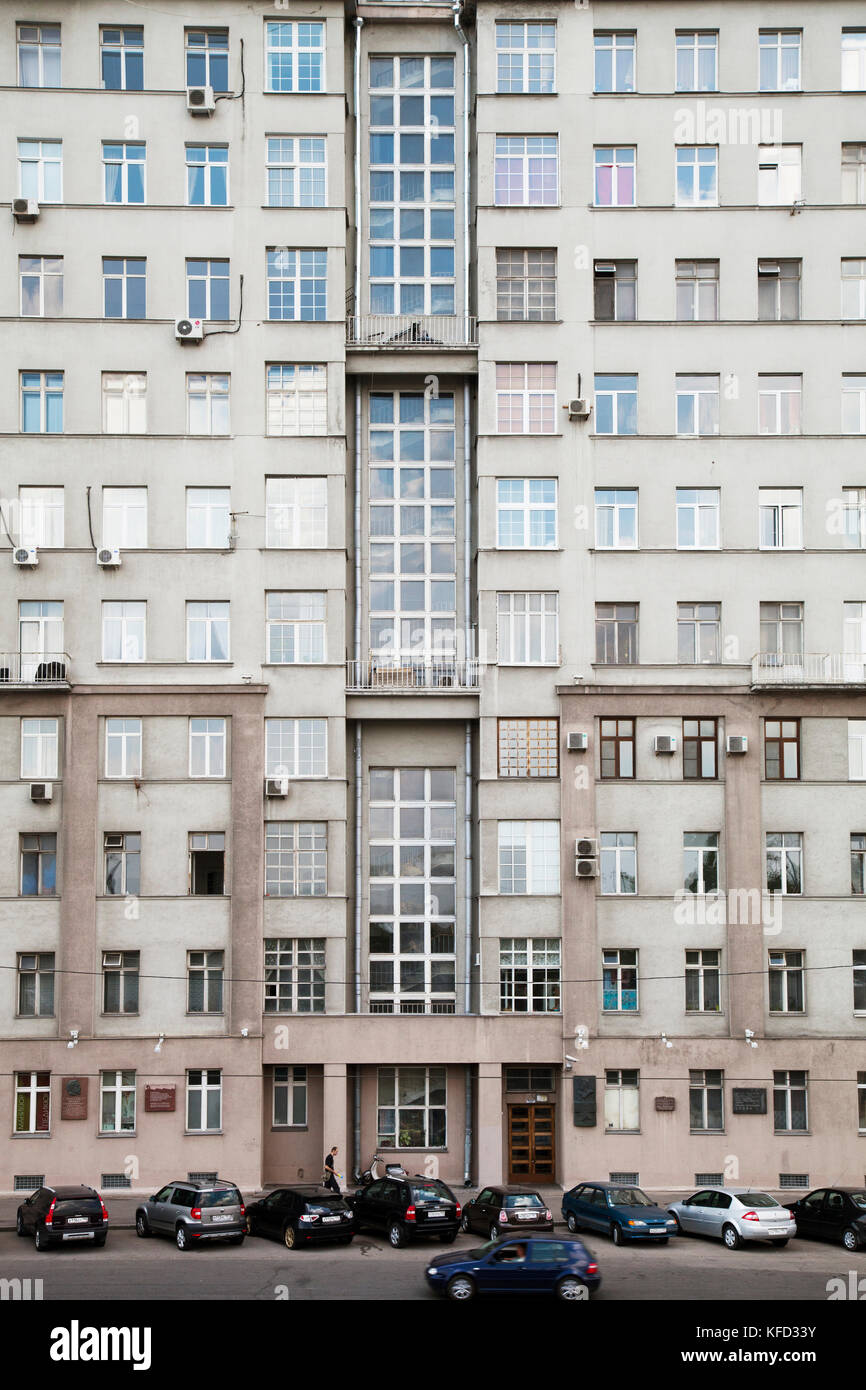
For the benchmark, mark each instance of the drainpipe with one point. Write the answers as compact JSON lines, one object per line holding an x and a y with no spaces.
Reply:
{"x":457,"y":9}
{"x":356,"y":1099}
{"x":356,"y":90}
{"x":467,"y":1129}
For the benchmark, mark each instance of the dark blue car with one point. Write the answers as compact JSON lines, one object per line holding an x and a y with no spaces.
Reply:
{"x":622,"y":1212}
{"x":528,"y":1264}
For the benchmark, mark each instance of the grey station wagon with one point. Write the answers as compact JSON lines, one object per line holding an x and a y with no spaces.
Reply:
{"x":192,"y":1211}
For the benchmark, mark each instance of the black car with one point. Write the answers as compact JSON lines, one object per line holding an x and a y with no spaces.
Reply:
{"x":500,"y":1211}
{"x":61,"y":1215}
{"x":561,"y":1265}
{"x":302,"y":1215}
{"x":407,"y":1207}
{"x":833,"y":1213}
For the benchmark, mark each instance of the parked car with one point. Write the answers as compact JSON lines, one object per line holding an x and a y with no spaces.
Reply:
{"x":735,"y":1214}
{"x":302,"y":1215}
{"x":407,"y":1207}
{"x":57,"y":1215}
{"x":194,"y":1210}
{"x":497,"y":1211}
{"x":560,"y":1265}
{"x":833,"y":1213}
{"x":622,"y":1212}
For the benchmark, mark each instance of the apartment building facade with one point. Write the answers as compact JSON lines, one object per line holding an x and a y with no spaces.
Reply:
{"x":432,"y":718}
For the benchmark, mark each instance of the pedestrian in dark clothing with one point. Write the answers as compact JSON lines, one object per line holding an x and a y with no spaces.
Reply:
{"x":330,"y":1176}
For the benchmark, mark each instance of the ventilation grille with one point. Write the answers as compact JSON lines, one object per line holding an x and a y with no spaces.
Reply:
{"x":709,"y":1179}
{"x":116,"y":1180}
{"x":794,"y":1180}
{"x":27,"y":1182}
{"x":632,"y":1179}
{"x":201,"y":1177}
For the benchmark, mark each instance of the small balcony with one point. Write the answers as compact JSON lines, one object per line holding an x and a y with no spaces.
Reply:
{"x":800,"y":669}
{"x":38,"y":669}
{"x":411,"y":332}
{"x":412,"y":677}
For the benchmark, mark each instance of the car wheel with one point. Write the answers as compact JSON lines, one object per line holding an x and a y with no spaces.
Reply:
{"x":494,"y":1232}
{"x":290,"y":1237}
{"x":850,"y":1240}
{"x":571,"y":1222}
{"x":100,"y":1241}
{"x":680,"y":1231}
{"x":141,"y":1227}
{"x":780,"y":1244}
{"x":731,"y":1237}
{"x":19,"y":1226}
{"x":461,"y":1288}
{"x":239,"y":1240}
{"x":448,"y":1237}
{"x":570,"y":1290}
{"x":250,"y":1231}
{"x":464,"y":1225}
{"x":396,"y":1235}
{"x":616,"y":1234}
{"x":347,"y":1240}
{"x":39,"y":1239}
{"x":662,"y":1241}
{"x":181,"y":1238}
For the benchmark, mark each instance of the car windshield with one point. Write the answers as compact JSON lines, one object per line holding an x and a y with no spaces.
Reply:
{"x":859,"y":1199}
{"x":523,"y":1199}
{"x":431,"y":1192}
{"x":629,"y":1197}
{"x":324,"y":1206}
{"x":757,"y":1199}
{"x":62,"y":1202}
{"x":228,"y":1198}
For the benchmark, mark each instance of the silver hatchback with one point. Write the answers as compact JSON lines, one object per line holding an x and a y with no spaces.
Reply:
{"x":194,"y":1211}
{"x":735,"y":1214}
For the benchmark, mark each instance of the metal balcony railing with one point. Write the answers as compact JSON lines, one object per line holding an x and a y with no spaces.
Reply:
{"x":396,"y":332}
{"x":808,"y":668}
{"x":34,"y":668}
{"x":412,"y":676}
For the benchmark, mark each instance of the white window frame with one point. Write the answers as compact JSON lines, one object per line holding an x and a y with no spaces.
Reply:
{"x":535,"y":981}
{"x":208,"y":404}
{"x":208,"y":746}
{"x":132,"y":615}
{"x":517,"y":613}
{"x":688,"y":161}
{"x":125,"y":162}
{"x":48,"y":156}
{"x":774,"y":40}
{"x":526,"y":508}
{"x":782,"y":964}
{"x":622,"y":853}
{"x":210,"y":966}
{"x":529,"y":858}
{"x":32,"y":1090}
{"x":782,"y":852}
{"x":306,"y":629}
{"x":853,"y":60}
{"x":615,"y":163}
{"x":698,"y":280}
{"x":287,"y":741}
{"x":124,"y":402}
{"x":206,"y":164}
{"x":220,"y":616}
{"x":786,"y":402}
{"x":296,"y":859}
{"x":43,"y":738}
{"x":308,"y":519}
{"x":617,"y":503}
{"x":295,"y":974}
{"x":697,"y":394}
{"x":198,"y":1093}
{"x":702,"y":858}
{"x":294,"y":31}
{"x":612,"y":960}
{"x":45,"y":43}
{"x":534,"y":43}
{"x":699,"y":43}
{"x":114,"y":1084}
{"x":123,"y":47}
{"x":41,"y":517}
{"x":124,"y":518}
{"x":853,"y":172}
{"x":701,"y":969}
{"x":296,"y":399}
{"x":853,"y":400}
{"x":782,"y":508}
{"x":291,"y":1080}
{"x":526,"y":150}
{"x":780,"y":175}
{"x":621,"y":1100}
{"x":620,"y":42}
{"x":129,"y":743}
{"x":388,"y":1135}
{"x":706,"y":500}
{"x":786,"y":1087}
{"x":526,"y":398}
{"x":213,"y":511}
{"x":299,"y":165}
{"x":855,"y":283}
{"x":857,"y":750}
{"x":286,"y":265}
{"x":44,"y":271}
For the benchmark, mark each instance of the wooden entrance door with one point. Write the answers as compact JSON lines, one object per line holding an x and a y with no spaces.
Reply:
{"x":531,"y":1143}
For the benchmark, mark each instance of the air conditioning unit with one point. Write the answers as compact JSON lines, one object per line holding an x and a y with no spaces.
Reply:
{"x":108,"y":558}
{"x":577,"y":743}
{"x":737,"y":743}
{"x":585,"y":848}
{"x":665,"y":743}
{"x":25,"y":209}
{"x":25,"y":555}
{"x":276,"y":786}
{"x":41,"y":791}
{"x":200,"y":101}
{"x":189,"y":330}
{"x":586,"y":868}
{"x":580,"y":409}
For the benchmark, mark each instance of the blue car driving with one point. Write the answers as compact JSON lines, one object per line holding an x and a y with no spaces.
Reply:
{"x":624,"y":1213}
{"x":529,"y":1264}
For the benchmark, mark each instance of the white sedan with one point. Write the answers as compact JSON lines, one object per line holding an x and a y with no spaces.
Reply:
{"x":735,"y":1214}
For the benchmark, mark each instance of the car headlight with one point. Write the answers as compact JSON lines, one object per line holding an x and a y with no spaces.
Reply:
{"x":636,"y":1223}
{"x":432,"y":1270}
{"x":671,"y":1222}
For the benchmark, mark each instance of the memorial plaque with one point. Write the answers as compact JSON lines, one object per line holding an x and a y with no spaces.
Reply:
{"x":583,"y":1101}
{"x":666,"y":1103}
{"x":749,"y":1100}
{"x":159,"y":1098}
{"x":73,"y":1098}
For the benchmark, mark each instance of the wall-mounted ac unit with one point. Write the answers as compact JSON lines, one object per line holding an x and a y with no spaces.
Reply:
{"x":665,"y":743}
{"x":189,"y":330}
{"x":25,"y":209}
{"x":577,"y":743}
{"x":585,"y":848}
{"x":25,"y":555}
{"x":737,"y":743}
{"x":200,"y":101}
{"x":41,"y":791}
{"x":586,"y":868}
{"x":276,"y":786}
{"x":579,"y":409}
{"x":108,"y":558}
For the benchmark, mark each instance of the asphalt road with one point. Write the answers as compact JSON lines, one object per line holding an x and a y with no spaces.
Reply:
{"x":687,"y":1268}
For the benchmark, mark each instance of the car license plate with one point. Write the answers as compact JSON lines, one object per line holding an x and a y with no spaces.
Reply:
{"x":332,"y":1218}
{"x":526,"y":1216}
{"x":658,"y":1230}
{"x":223,"y":1218}
{"x":778,"y":1230}
{"x":78,"y":1235}
{"x":76,"y":1220}
{"x":433,"y":1214}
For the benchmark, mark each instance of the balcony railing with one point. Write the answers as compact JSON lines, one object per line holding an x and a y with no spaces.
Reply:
{"x":412,"y":677}
{"x":399,"y":332}
{"x":34,"y":668}
{"x":808,"y":668}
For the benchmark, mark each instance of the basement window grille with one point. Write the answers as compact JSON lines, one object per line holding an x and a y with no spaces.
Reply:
{"x":631,"y":1179}
{"x":116,"y":1180}
{"x":28,"y":1182}
{"x":794,"y":1180}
